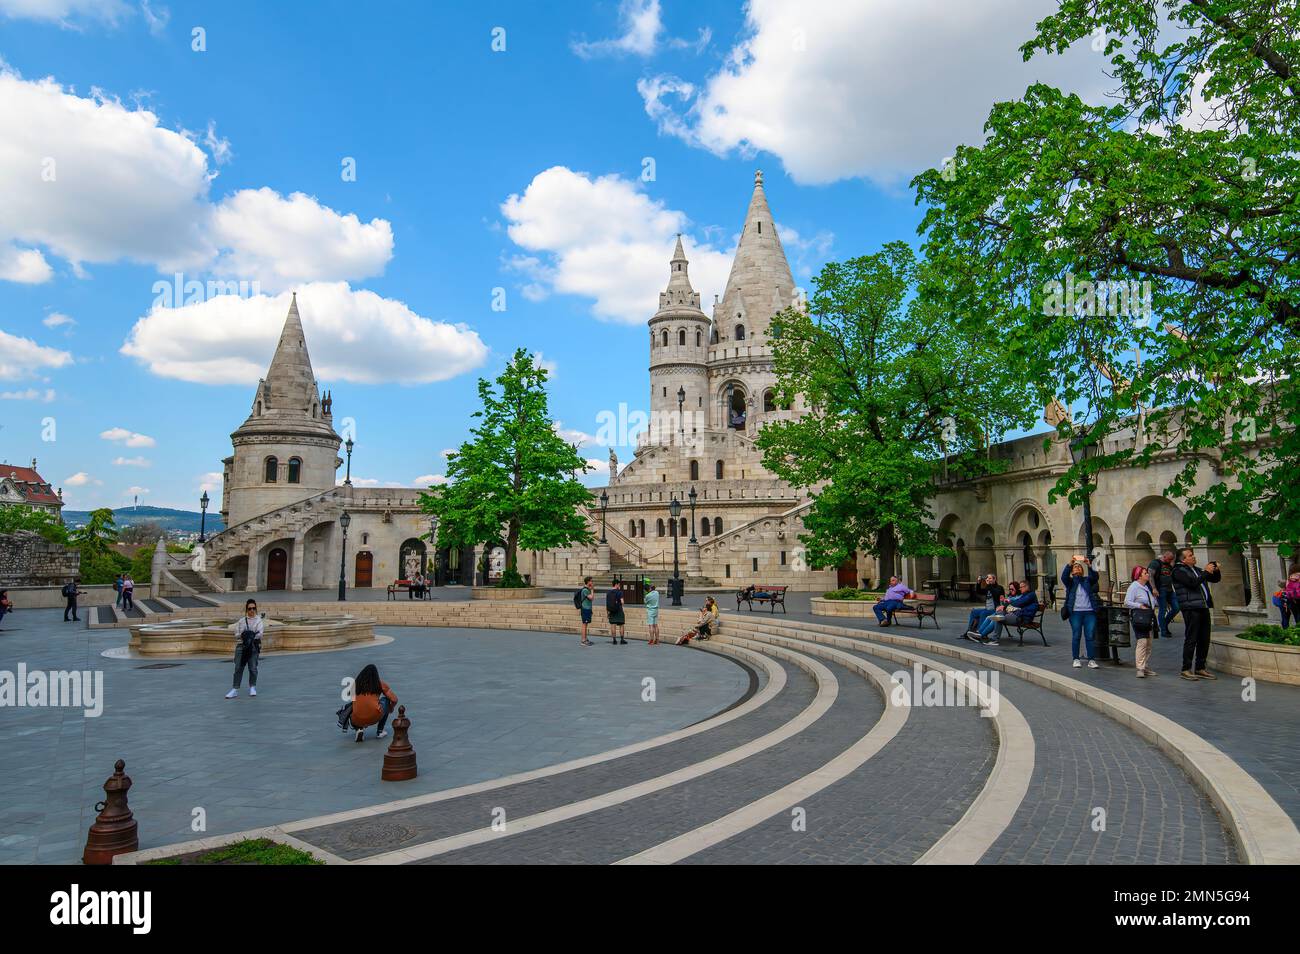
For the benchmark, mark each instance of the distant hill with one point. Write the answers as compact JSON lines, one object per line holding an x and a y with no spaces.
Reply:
{"x":165,"y":517}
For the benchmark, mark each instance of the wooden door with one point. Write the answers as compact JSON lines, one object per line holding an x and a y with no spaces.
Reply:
{"x":846,"y":574}
{"x":277,"y":567}
{"x":365,"y":568}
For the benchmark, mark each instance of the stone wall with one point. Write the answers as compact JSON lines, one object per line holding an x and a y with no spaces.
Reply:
{"x":27,"y":559}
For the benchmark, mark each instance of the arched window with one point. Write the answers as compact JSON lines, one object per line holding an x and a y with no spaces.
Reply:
{"x":697,"y":339}
{"x":717,"y":471}
{"x":717,"y":526}
{"x":665,"y":339}
{"x":272,"y":470}
{"x":681,"y":336}
{"x":769,"y":400}
{"x":295,"y":470}
{"x":640,"y":526}
{"x":695,"y":470}
{"x":740,"y":332}
{"x":684,"y":531}
{"x":661,"y":526}
{"x":704,"y":527}
{"x":631,"y":528}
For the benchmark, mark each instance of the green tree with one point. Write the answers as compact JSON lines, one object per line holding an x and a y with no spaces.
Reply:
{"x":895,"y":391}
{"x":1185,"y":190}
{"x":96,"y":535}
{"x":19,"y":517}
{"x":515,"y":475}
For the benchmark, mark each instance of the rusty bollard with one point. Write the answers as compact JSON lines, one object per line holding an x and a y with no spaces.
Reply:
{"x":399,"y":760}
{"x":115,"y":831}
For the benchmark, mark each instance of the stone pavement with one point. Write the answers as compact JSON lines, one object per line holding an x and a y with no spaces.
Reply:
{"x":483,"y":704}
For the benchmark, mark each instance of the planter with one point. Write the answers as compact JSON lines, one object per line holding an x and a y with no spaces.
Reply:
{"x":288,"y":633}
{"x":858,"y":609}
{"x":1270,"y":662}
{"x":507,"y":593}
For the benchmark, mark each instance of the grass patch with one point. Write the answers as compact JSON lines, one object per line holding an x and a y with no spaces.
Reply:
{"x":851,"y":593}
{"x":252,"y":851}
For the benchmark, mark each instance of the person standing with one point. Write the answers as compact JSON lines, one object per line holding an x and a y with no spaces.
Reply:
{"x":652,"y":613}
{"x":248,"y":648}
{"x":894,"y":596}
{"x":988,"y":588}
{"x":70,"y":593}
{"x":117,"y":589}
{"x":1291,"y":597}
{"x":1081,"y":599}
{"x":1143,"y":606}
{"x":583,"y":599}
{"x":128,"y":593}
{"x":1161,"y":574}
{"x":372,"y":701}
{"x":7,"y":606}
{"x":1192,"y":586}
{"x":614,"y":612}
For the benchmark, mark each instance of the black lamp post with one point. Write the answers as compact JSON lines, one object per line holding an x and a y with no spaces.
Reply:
{"x":203,"y":517}
{"x":691,"y":497}
{"x":681,"y":412}
{"x":344,"y":520}
{"x":675,"y":511}
{"x":604,"y":502}
{"x":348,"y":480}
{"x":433,"y":545}
{"x":1080,"y":451}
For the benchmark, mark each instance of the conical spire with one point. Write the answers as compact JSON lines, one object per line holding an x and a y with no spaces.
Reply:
{"x":290,"y":383}
{"x":760,"y":283}
{"x":679,"y":294}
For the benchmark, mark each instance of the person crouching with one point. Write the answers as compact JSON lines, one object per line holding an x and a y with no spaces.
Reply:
{"x":372,"y":701}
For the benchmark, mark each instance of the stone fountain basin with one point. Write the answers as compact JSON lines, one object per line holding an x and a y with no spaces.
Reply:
{"x":290,"y":633}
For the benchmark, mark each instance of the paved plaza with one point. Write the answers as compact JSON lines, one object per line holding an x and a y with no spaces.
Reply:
{"x":770,"y":747}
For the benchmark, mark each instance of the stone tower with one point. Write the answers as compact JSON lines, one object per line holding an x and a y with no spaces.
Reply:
{"x":679,"y":349}
{"x":287,"y":449}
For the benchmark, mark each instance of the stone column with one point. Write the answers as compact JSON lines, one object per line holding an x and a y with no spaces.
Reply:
{"x":1009,"y":561}
{"x":250,"y":585}
{"x":157,"y":567}
{"x":296,"y":568}
{"x":602,"y":556}
{"x":693,"y":559}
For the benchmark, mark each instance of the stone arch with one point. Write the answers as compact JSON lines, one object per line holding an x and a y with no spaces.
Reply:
{"x":1026,"y":515}
{"x":947,"y":534}
{"x":1156,"y":516}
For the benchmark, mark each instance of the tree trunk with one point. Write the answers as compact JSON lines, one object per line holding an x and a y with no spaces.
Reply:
{"x":512,"y":543}
{"x":887,"y":550}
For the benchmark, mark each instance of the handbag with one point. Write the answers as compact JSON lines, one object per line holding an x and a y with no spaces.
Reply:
{"x":1143,"y":619}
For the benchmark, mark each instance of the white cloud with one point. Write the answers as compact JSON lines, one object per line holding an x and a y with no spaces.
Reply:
{"x":602,"y":238}
{"x":26,"y":266}
{"x":57,"y":319}
{"x":93,"y":181}
{"x":120,"y":435}
{"x":545,"y":363}
{"x":156,"y":19}
{"x":286,"y":242}
{"x":211,"y":481}
{"x":136,"y":491}
{"x":132,"y":462}
{"x":24,"y":358}
{"x":574,"y":436}
{"x":31,"y":394}
{"x":81,"y":479}
{"x":66,"y":12}
{"x":425,"y":480}
{"x":642,"y":25}
{"x":877,"y":90}
{"x":352,"y":335}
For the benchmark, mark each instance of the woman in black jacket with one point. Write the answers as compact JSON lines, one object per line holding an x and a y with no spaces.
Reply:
{"x":1081,"y":599}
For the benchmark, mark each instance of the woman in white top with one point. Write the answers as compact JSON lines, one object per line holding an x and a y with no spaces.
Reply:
{"x":248,"y":648}
{"x":1142,"y":605}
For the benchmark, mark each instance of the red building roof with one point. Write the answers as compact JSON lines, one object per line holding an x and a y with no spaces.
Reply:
{"x":34,"y":488}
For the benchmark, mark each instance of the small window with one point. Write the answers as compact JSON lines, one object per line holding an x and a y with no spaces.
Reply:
{"x":631,"y":527}
{"x":695,"y":470}
{"x":755,"y":564}
{"x":272,"y":470}
{"x":697,"y":339}
{"x":760,"y":232}
{"x":783,"y":558}
{"x":717,"y":471}
{"x":769,"y":401}
{"x":640,"y":528}
{"x":661,"y":527}
{"x":717,"y":526}
{"x":684,"y":532}
{"x":681,"y":336}
{"x":740,"y":332}
{"x":728,"y":569}
{"x":704,"y":527}
{"x":665,"y":339}
{"x":295,"y":470}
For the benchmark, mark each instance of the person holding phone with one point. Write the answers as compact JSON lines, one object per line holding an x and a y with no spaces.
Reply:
{"x":1192,"y":585}
{"x":248,"y":648}
{"x":1081,"y":600}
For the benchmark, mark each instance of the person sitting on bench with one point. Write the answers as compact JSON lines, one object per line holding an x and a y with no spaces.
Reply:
{"x":1022,"y":605}
{"x":893,"y":600}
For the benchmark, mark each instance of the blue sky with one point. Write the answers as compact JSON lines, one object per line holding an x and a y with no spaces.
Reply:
{"x":521,"y":169}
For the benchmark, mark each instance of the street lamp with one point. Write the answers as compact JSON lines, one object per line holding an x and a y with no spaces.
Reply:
{"x":433,"y":545}
{"x":681,"y":412}
{"x":344,"y":520}
{"x":203,"y":517}
{"x":1080,"y":450}
{"x":604,"y":502}
{"x":691,"y":496}
{"x":675,"y":510}
{"x":348,"y":480}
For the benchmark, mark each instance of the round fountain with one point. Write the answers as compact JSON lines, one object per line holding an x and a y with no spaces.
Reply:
{"x":216,"y":635}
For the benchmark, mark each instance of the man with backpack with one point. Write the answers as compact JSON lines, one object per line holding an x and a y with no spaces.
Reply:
{"x":582,"y":599}
{"x":1161,"y":571}
{"x":614,"y":610}
{"x":70,"y":593}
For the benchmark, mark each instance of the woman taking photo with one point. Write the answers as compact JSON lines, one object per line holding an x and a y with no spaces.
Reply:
{"x":372,"y":700}
{"x":1142,"y":604}
{"x":1080,"y":581}
{"x":248,"y":648}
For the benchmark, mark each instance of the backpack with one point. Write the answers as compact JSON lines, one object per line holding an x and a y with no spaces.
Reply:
{"x":614,"y":599}
{"x":578,"y":595}
{"x":70,"y":589}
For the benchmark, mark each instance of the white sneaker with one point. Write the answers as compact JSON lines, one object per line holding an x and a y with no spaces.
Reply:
{"x":1078,"y":664}
{"x":361,"y":734}
{"x":1092,"y":664}
{"x":991,"y":642}
{"x":232,"y":693}
{"x":381,"y":733}
{"x":252,"y":690}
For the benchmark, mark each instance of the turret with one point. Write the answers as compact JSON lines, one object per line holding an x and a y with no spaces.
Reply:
{"x":679,"y":348}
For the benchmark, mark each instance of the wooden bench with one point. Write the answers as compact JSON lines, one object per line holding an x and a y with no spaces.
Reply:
{"x":921,"y":605}
{"x":400,"y":586}
{"x":1023,"y":626}
{"x":774,"y":596}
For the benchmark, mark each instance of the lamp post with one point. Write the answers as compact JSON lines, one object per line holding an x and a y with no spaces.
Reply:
{"x":675,"y":511}
{"x":348,"y":480}
{"x":203,"y":517}
{"x":681,"y":413}
{"x":604,"y":502}
{"x":691,"y":497}
{"x":344,"y":520}
{"x":433,"y":545}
